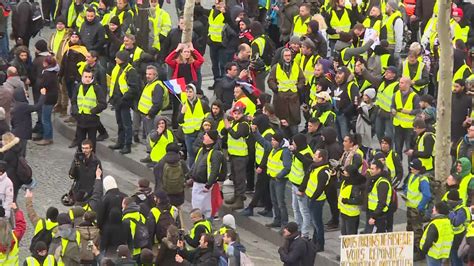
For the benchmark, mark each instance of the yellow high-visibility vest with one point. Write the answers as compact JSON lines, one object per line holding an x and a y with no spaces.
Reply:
{"x":158,"y":149}
{"x":275,"y":163}
{"x":12,"y":257}
{"x":414,"y":195}
{"x":426,"y":162}
{"x":385,"y":95}
{"x":161,"y":22}
{"x":49,"y":261}
{"x":287,"y":83}
{"x":259,"y":151}
{"x":146,"y":99}
{"x":193,"y":117}
{"x":347,"y":209}
{"x":300,"y":26}
{"x":250,"y":107}
{"x":297,"y":172}
{"x":463,"y":187}
{"x":462,"y":227}
{"x":87,"y":102}
{"x":442,"y":246}
{"x":401,"y":119}
{"x":416,"y":76}
{"x":308,"y":66}
{"x":134,"y":217}
{"x":136,"y":53}
{"x":313,"y":182}
{"x":64,"y":243}
{"x":388,"y":24}
{"x":216,"y":25}
{"x":122,"y":79}
{"x":237,"y":147}
{"x":206,"y":224}
{"x":343,"y":24}
{"x":390,"y":164}
{"x":373,"y":197}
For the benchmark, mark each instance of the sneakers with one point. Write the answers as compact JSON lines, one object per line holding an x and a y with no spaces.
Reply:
{"x":247,"y":212}
{"x":273,"y":225}
{"x":44,"y":142}
{"x":126,"y":149}
{"x":228,"y":182}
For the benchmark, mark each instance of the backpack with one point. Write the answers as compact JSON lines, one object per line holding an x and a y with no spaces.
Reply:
{"x":71,"y":255}
{"x":173,"y":178}
{"x":23,"y":171}
{"x":142,"y":237}
{"x":245,"y":260}
{"x":268,"y":51}
{"x":44,"y":235}
{"x":87,"y":243}
{"x":310,"y":255}
{"x":37,"y":21}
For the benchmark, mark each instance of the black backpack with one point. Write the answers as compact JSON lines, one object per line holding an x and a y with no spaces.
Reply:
{"x":44,"y":235}
{"x":142,"y":237}
{"x":310,"y":255}
{"x":268,"y":51}
{"x":23,"y":171}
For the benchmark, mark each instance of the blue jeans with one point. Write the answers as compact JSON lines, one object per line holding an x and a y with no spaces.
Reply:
{"x":189,"y":141}
{"x":433,"y":262}
{"x":218,"y":58}
{"x":301,"y":210}
{"x":124,"y":124}
{"x":316,"y":210}
{"x":46,"y":120}
{"x":4,"y":46}
{"x":277,"y":194}
{"x":342,"y":126}
{"x":383,"y":127}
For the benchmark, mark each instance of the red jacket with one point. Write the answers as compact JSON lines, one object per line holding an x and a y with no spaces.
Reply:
{"x":173,"y":63}
{"x":20,"y":228}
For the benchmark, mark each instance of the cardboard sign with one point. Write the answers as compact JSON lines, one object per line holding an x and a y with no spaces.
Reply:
{"x":377,"y":249}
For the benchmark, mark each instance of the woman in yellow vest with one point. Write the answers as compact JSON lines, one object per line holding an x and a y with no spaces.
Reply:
{"x":10,"y":238}
{"x":350,"y":198}
{"x":159,"y":140}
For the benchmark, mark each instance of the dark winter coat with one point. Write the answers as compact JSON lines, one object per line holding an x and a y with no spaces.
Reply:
{"x":21,"y":21}
{"x":37,"y":69}
{"x":293,"y":251}
{"x":199,"y":257}
{"x":460,"y":108}
{"x":115,"y":40}
{"x":49,"y":80}
{"x":224,"y":90}
{"x":10,"y":153}
{"x":111,"y":233}
{"x":330,"y":143}
{"x":93,"y":35}
{"x":21,"y":114}
{"x":93,"y":119}
{"x":171,"y":158}
{"x":199,"y":170}
{"x":83,"y":171}
{"x":111,"y":200}
{"x":69,"y":70}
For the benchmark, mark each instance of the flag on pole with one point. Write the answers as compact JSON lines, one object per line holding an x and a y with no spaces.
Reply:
{"x":176,"y":86}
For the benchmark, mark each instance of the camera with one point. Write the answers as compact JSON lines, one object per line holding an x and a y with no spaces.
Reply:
{"x":180,"y":235}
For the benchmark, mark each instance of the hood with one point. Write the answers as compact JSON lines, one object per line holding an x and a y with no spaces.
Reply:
{"x":20,"y":96}
{"x":235,"y":11}
{"x":66,"y":231}
{"x":329,"y":135}
{"x":262,"y":122}
{"x":132,"y":207}
{"x":158,"y":118}
{"x":172,"y":157}
{"x":52,"y":69}
{"x":239,"y":247}
{"x":354,"y":178}
{"x":14,"y":81}
{"x":10,"y":145}
{"x":466,"y":166}
{"x":314,"y":26}
{"x":88,"y":232}
{"x":341,"y":45}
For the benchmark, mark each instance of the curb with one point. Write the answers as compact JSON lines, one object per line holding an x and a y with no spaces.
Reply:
{"x":139,"y":169}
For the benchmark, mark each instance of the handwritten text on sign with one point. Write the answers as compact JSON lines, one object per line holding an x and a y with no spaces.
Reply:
{"x":387,"y":249}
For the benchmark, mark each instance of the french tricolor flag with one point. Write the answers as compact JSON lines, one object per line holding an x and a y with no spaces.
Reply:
{"x":176,"y":86}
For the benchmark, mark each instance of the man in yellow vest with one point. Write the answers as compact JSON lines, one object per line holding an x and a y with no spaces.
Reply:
{"x":392,"y":29}
{"x":424,"y":145}
{"x":460,"y":216}
{"x":124,"y":88}
{"x":460,"y":27}
{"x":464,"y":179}
{"x":200,"y":226}
{"x":160,"y":25}
{"x":315,"y":183}
{"x":88,"y":101}
{"x":125,"y":15}
{"x":66,"y":242}
{"x":391,"y":160}
{"x":161,"y":215}
{"x":438,"y":236}
{"x":131,"y":220}
{"x":216,"y":26}
{"x":129,"y":44}
{"x":405,"y":105}
{"x":241,"y":97}
{"x":417,"y":196}
{"x":40,"y":256}
{"x":300,"y":21}
{"x":238,"y":150}
{"x":340,"y":19}
{"x":378,"y":199}
{"x":286,"y":80}
{"x":416,"y":71}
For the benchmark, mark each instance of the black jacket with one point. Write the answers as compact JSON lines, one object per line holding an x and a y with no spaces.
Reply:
{"x":21,"y":114}
{"x":460,"y":108}
{"x":382,"y":192}
{"x":198,"y":231}
{"x":113,"y":42}
{"x":199,"y":257}
{"x":21,"y":20}
{"x":111,"y":200}
{"x":224,"y":90}
{"x":111,"y":233}
{"x":323,"y":177}
{"x":172,"y":158}
{"x":293,"y":251}
{"x":83,"y":171}
{"x":93,"y":119}
{"x":49,"y":80}
{"x":133,"y":82}
{"x":10,"y":153}
{"x":199,"y":171}
{"x":330,"y":143}
{"x":432,"y":234}
{"x":93,"y":35}
{"x":69,"y":70}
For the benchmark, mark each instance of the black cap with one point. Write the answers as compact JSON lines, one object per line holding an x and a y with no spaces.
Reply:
{"x":278,"y":137}
{"x":392,"y":69}
{"x":213,"y":134}
{"x":416,"y":164}
{"x":173,"y":147}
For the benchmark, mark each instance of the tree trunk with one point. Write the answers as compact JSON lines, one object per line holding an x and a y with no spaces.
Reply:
{"x":443,"y":117}
{"x":188,"y":15}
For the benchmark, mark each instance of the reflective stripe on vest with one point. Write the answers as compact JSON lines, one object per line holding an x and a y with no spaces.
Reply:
{"x":157,"y":213}
{"x":71,"y":15}
{"x":470,"y":230}
{"x":414,"y":195}
{"x":286,"y":83}
{"x":299,"y":26}
{"x":342,"y":24}
{"x":345,"y":208}
{"x":401,"y":119}
{"x":206,"y":224}
{"x":161,"y":23}
{"x":442,"y":246}
{"x":57,"y":39}
{"x":384,"y":95}
{"x":297,"y":172}
{"x":259,"y":151}
{"x":348,"y":63}
{"x":158,"y":150}
{"x":462,"y":227}
{"x":237,"y":147}
{"x":49,"y":261}
{"x":216,"y":25}
{"x":416,"y":76}
{"x":463,"y":187}
{"x":12,"y":257}
{"x":459,"y":74}
{"x":260,"y":42}
{"x":388,"y":24}
{"x":137,"y":52}
{"x":87,"y":102}
{"x":324,"y":116}
{"x":313,"y":182}
{"x":193,"y":117}
{"x":426,"y":162}
{"x":373,"y":197}
{"x":122,"y":81}
{"x":308,"y":66}
{"x":460,"y":33}
{"x":275,"y":163}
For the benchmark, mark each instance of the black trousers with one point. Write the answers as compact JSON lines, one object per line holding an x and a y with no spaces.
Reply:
{"x":262,"y":192}
{"x":101,"y":129}
{"x":86,"y":132}
{"x":349,"y":225}
{"x":331,"y":196}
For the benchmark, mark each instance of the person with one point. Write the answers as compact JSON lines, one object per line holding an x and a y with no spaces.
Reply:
{"x":83,"y":169}
{"x":428,"y":111}
{"x":379,"y":195}
{"x":159,"y":26}
{"x":185,"y":61}
{"x":22,"y":17}
{"x":350,"y":199}
{"x":92,"y":32}
{"x":366,"y":118}
{"x":130,"y":220}
{"x":286,"y":79}
{"x":87,"y":102}
{"x":416,"y":71}
{"x":40,"y":256}
{"x":460,"y":217}
{"x":238,"y":132}
{"x":437,"y":236}
{"x":200,"y":226}
{"x":114,"y":37}
{"x":314,"y":136}
{"x":124,"y":88}
{"x":66,"y":242}
{"x":160,"y":217}
{"x":205,"y":172}
{"x":424,"y":145}
{"x":235,"y":250}
{"x":159,"y":139}
{"x":11,"y":237}
{"x":392,"y":161}
{"x":112,"y":199}
{"x":418,"y":195}
{"x":172,"y":158}
{"x":314,"y":183}
{"x":228,"y":224}
{"x":48,"y":80}
{"x":12,"y":83}
{"x":89,"y":233}
{"x":216,"y":116}
{"x":168,"y":248}
{"x":460,"y":110}
{"x":204,"y":254}
{"x":465,"y":146}
{"x":124,"y":257}
{"x":111,"y":233}
{"x":6,"y":190}
{"x":392,"y":29}
{"x":294,"y":249}
{"x":461,"y":171}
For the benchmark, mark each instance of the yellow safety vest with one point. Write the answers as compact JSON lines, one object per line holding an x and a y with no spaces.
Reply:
{"x":208,"y":161}
{"x":442,"y":247}
{"x":324,"y":116}
{"x":86,"y":208}
{"x":385,"y":95}
{"x":134,"y":217}
{"x":12,"y":257}
{"x":297,"y":172}
{"x":146,"y":99}
{"x":343,"y":24}
{"x":388,"y":24}
{"x":286,"y":83}
{"x":463,"y":187}
{"x":206,"y":224}
{"x":390,"y":164}
{"x":462,"y":227}
{"x":414,"y":195}
{"x":417,"y":76}
{"x":64,"y":243}
{"x":161,"y":23}
{"x":120,"y":80}
{"x":313,"y":182}
{"x":260,"y":41}
{"x":384,"y":62}
{"x":470,"y":230}
{"x":120,"y":15}
{"x":308,"y":66}
{"x":362,"y":87}
{"x":158,"y":149}
{"x":400,"y":119}
{"x":106,"y":19}
{"x":193,"y":118}
{"x":250,"y":107}
{"x":347,"y":209}
{"x":216,"y":25}
{"x":157,"y":213}
{"x":459,"y":74}
{"x":348,"y":63}
{"x":275,"y":163}
{"x":376,"y":26}
{"x":87,"y":102}
{"x":460,"y":33}
{"x":259,"y":151}
{"x":300,"y":27}
{"x":373,"y":197}
{"x":136,"y":53}
{"x":44,"y":224}
{"x":237,"y":147}
{"x":49,"y":261}
{"x":57,"y":39}
{"x":71,"y":15}
{"x":426,"y":162}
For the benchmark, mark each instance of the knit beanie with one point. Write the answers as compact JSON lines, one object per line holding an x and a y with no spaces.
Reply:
{"x":213,"y":134}
{"x":63,"y":218}
{"x":41,"y":46}
{"x":61,"y":19}
{"x":229,"y":221}
{"x":370,"y":93}
{"x":278,"y":137}
{"x":123,"y":55}
{"x":173,"y":147}
{"x":109,"y":183}
{"x":115,"y":20}
{"x":300,"y":141}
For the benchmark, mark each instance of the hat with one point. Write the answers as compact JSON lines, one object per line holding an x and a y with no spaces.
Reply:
{"x":173,"y":147}
{"x":324,"y":83}
{"x":324,"y":95}
{"x":300,"y":140}
{"x":295,"y":40}
{"x":239,"y":107}
{"x":61,"y":19}
{"x":379,"y":156}
{"x":393,"y":4}
{"x":109,"y":183}
{"x":40,"y":246}
{"x":416,"y":164}
{"x":278,"y":137}
{"x":229,"y":220}
{"x":457,"y":12}
{"x":419,"y":123}
{"x":41,"y":46}
{"x":213,"y":134}
{"x":292,"y":227}
{"x":123,"y":251}
{"x":345,"y":70}
{"x":115,"y":20}
{"x":308,"y":43}
{"x":2,"y":113}
{"x":370,"y":93}
{"x":77,"y":212}
{"x":63,"y":218}
{"x":76,"y":33}
{"x":162,"y":196}
{"x":123,"y":55}
{"x":146,"y":256}
{"x":392,"y":69}
{"x":143,"y":183}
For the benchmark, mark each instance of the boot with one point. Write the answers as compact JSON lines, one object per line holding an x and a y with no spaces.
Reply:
{"x":136,"y":139}
{"x":230,"y":201}
{"x":116,"y":146}
{"x":102,"y":137}
{"x":73,"y":144}
{"x":126,"y":149}
{"x":238,"y":204}
{"x":145,"y":160}
{"x":247,"y":212}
